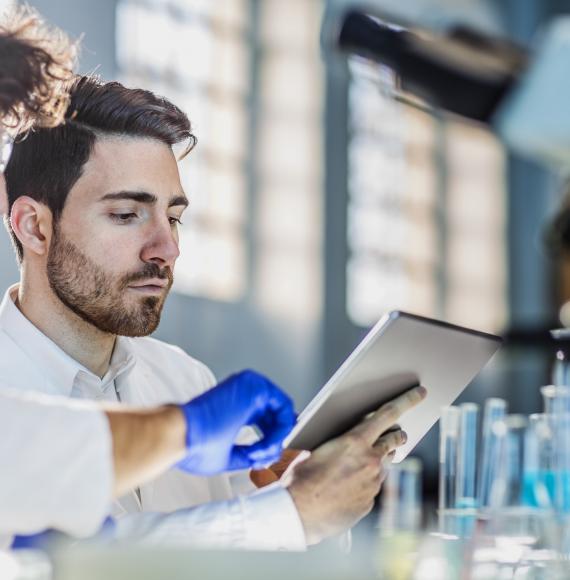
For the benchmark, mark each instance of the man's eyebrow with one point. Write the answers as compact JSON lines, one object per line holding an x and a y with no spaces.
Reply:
{"x":140,"y":196}
{"x":178,"y":200}
{"x":144,"y":197}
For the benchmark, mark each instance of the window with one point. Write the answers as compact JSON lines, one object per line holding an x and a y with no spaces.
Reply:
{"x":196,"y":53}
{"x":254,"y":97}
{"x":426,"y":216}
{"x":476,"y":292}
{"x":289,"y":160}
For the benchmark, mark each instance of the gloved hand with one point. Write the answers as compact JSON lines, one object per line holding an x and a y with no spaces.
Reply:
{"x":214,"y":419}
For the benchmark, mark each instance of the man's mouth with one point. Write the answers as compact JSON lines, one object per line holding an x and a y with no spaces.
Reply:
{"x":154,"y":286}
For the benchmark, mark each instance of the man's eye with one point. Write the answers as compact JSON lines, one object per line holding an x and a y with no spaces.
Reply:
{"x":174,"y":221}
{"x":123,"y":218}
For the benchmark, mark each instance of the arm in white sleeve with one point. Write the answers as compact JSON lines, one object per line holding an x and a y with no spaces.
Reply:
{"x":56,"y":465}
{"x":265,"y":520}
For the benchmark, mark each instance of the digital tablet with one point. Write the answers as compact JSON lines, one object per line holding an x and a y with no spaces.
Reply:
{"x":401,"y":351}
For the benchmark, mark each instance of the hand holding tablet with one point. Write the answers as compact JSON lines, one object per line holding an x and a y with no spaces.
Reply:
{"x":336,"y":486}
{"x":400,"y":352}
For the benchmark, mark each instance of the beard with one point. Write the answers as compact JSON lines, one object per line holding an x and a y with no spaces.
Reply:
{"x":98,"y":297}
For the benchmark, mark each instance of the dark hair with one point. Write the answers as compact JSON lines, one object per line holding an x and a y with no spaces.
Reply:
{"x":35,"y":62}
{"x":46,"y":163}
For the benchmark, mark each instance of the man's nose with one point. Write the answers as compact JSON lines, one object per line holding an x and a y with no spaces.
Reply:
{"x":162,"y":247}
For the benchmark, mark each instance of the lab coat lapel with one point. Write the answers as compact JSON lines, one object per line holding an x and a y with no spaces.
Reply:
{"x":174,"y":489}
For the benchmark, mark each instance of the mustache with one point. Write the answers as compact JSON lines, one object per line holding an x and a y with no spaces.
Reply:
{"x":150,"y":270}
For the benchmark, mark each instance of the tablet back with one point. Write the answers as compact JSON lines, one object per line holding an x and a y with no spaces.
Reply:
{"x":401,"y":351}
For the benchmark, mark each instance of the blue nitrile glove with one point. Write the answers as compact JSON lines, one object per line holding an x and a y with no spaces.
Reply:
{"x":34,"y":541}
{"x":43,"y":540}
{"x":214,"y":419}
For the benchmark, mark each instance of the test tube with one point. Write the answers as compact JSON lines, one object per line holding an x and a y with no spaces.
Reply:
{"x":467,"y":456}
{"x":401,"y":505}
{"x":556,"y":399}
{"x":400,"y":520}
{"x":547,"y":464}
{"x":508,"y":479}
{"x":557,"y":452}
{"x":540,"y":463}
{"x":561,"y":430}
{"x":495,"y":410}
{"x":448,"y":440}
{"x":561,"y":368}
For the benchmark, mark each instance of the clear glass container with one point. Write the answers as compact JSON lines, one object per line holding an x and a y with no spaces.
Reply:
{"x":401,"y":497}
{"x":467,"y":456}
{"x":556,"y":399}
{"x":508,"y":482}
{"x":494,"y":410}
{"x":448,"y":441}
{"x":400,"y":521}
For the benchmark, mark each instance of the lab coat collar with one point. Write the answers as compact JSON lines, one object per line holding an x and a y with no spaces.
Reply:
{"x":61,"y":369}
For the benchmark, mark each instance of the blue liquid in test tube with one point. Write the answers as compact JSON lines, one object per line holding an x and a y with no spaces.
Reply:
{"x":546,"y":481}
{"x":495,"y":410}
{"x":467,"y":456}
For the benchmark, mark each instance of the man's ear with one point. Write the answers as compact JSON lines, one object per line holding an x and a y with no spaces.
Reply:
{"x":31,"y":222}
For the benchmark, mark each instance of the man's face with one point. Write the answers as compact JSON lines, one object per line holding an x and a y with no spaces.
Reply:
{"x":112,"y":253}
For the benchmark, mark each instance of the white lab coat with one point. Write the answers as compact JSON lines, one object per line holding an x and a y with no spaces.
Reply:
{"x":56,"y":466}
{"x":146,"y":372}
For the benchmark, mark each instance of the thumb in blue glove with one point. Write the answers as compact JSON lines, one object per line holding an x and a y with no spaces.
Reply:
{"x":214,"y":419}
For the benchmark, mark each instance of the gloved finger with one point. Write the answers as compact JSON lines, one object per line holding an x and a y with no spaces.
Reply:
{"x":269,"y":406}
{"x":265,"y":454}
{"x":273,"y":400}
{"x":269,"y":447}
{"x":241,"y":458}
{"x":273,"y":430}
{"x":276,"y":420}
{"x":264,"y":463}
{"x":272,"y":442}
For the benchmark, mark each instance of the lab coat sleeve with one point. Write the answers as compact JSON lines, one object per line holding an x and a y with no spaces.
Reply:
{"x":265,"y":520}
{"x":56,"y":465}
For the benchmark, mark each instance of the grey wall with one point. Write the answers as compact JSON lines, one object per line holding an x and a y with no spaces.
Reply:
{"x":91,"y":20}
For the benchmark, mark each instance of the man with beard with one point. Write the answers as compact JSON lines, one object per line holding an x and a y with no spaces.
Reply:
{"x":94,"y":209}
{"x":62,"y":461}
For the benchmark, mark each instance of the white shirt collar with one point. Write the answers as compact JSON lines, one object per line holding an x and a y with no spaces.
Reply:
{"x":61,"y":369}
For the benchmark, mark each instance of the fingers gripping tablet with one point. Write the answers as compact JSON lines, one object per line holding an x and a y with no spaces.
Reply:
{"x":399,"y":353}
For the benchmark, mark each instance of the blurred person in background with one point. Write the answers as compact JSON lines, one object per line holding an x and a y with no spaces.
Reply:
{"x":557,"y":241}
{"x":94,"y":209}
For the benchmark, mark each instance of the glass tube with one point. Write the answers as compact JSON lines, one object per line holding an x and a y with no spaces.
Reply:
{"x":547,"y":465}
{"x":467,"y":456}
{"x":561,"y":368}
{"x":401,"y":506}
{"x":562,"y":434}
{"x":495,"y":410}
{"x":540,"y":463}
{"x":507,"y":484}
{"x":556,"y":399}
{"x":400,"y":521}
{"x":547,"y":477}
{"x":448,"y":440}
{"x":514,"y":526}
